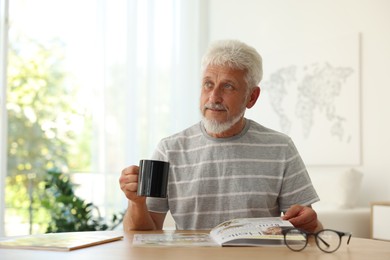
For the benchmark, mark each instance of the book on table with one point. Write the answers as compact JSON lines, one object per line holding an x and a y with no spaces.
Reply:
{"x":65,"y":241}
{"x":235,"y":232}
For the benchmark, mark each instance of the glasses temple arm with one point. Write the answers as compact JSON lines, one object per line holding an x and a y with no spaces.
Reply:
{"x":349,"y":238}
{"x":323,"y":241}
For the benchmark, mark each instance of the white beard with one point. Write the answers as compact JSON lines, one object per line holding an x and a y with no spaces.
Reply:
{"x":215,"y":127}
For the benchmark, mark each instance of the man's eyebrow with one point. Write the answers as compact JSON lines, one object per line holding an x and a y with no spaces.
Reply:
{"x":230,"y":81}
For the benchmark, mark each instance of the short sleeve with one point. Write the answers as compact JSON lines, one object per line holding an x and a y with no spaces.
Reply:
{"x":296,"y":185}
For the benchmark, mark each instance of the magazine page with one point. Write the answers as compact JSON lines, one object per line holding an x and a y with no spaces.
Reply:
{"x":235,"y":232}
{"x":173,"y":239}
{"x":250,"y":232}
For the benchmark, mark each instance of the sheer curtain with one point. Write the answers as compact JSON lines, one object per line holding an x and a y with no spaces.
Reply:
{"x":137,"y":62}
{"x":146,"y":85}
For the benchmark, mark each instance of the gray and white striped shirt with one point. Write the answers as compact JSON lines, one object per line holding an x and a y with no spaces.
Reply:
{"x":258,"y":173}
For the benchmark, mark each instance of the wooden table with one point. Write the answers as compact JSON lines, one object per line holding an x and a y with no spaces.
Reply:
{"x":358,"y":248}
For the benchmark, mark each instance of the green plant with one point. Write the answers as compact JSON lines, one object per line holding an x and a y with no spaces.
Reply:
{"x":48,"y":125}
{"x":69,"y":212}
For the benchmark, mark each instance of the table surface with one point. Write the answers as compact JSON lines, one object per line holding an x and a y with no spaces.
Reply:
{"x":358,"y":248}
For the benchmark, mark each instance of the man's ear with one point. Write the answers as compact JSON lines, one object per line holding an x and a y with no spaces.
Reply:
{"x":255,"y":93}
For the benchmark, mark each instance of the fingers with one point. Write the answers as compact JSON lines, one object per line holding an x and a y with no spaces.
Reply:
{"x":292,"y":212}
{"x":302,"y":217}
{"x":129,"y":175}
{"x":128,"y":182}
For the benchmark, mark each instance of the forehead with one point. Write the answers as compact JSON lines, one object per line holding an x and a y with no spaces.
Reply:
{"x":224,"y":72}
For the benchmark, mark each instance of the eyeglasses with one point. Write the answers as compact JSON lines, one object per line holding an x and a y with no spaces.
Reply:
{"x":327,"y":240}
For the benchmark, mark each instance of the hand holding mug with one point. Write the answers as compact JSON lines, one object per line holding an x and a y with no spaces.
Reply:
{"x":149,"y":179}
{"x":129,"y":183}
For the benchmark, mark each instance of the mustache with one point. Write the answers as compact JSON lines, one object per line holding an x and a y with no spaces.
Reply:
{"x":214,"y":106}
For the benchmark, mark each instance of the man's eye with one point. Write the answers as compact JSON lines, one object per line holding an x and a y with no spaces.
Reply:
{"x":228,"y":86}
{"x":208,"y":85}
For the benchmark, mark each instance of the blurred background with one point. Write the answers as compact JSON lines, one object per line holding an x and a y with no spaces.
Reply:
{"x":90,"y":87}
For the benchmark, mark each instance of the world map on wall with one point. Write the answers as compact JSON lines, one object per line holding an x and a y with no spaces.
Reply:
{"x":311,"y":92}
{"x":316,"y":87}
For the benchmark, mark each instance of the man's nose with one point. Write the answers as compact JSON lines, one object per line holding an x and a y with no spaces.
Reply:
{"x":216,"y":95}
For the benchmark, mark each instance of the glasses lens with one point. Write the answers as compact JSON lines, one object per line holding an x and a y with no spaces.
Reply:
{"x":328,"y":241}
{"x":295,"y":239}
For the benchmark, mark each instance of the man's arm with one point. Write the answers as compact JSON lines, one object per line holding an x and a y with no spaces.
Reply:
{"x":303,"y":217}
{"x":137,"y":216}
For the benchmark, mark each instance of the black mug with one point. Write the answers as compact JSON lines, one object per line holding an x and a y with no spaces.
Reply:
{"x":153,"y":178}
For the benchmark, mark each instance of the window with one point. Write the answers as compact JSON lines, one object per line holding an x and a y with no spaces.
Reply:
{"x":91,"y":87}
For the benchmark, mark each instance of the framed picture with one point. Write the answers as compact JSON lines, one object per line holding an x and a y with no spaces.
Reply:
{"x":380,"y":224}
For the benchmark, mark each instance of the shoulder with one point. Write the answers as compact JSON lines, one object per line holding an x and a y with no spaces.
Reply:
{"x":180,"y":141}
{"x":258,"y":131}
{"x":270,"y":137}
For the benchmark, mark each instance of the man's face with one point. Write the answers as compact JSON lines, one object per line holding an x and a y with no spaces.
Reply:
{"x":224,"y":95}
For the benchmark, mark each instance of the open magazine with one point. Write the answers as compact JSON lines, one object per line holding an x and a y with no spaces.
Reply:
{"x":235,"y":232}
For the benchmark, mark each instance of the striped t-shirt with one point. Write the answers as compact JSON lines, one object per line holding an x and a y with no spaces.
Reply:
{"x":258,"y":173}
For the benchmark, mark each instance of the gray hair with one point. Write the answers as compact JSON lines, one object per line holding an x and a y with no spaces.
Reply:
{"x":236,"y":55}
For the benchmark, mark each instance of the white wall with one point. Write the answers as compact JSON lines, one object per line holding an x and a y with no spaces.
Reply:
{"x":273,"y":25}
